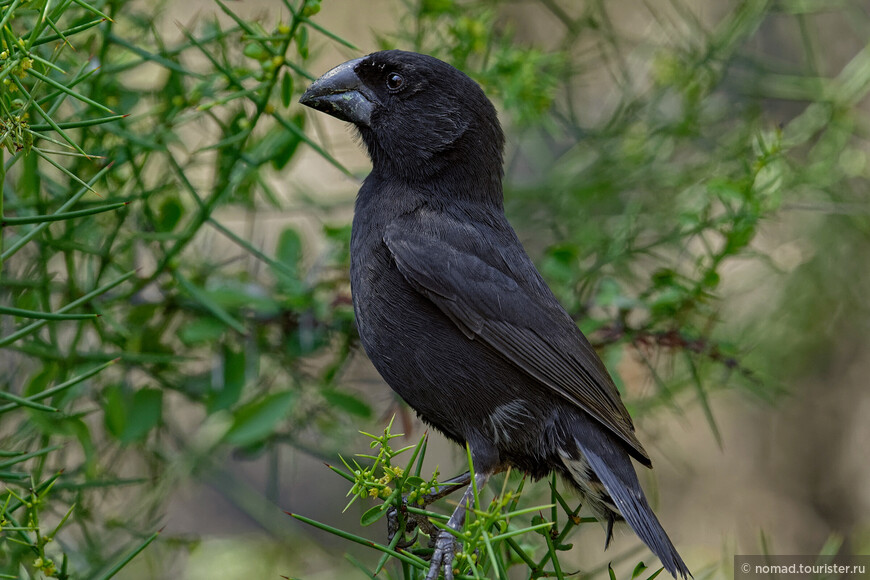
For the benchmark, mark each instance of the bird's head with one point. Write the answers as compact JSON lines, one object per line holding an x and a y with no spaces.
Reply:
{"x":418,"y":116}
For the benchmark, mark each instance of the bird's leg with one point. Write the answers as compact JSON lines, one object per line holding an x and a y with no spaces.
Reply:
{"x":445,"y":545}
{"x":412,"y":521}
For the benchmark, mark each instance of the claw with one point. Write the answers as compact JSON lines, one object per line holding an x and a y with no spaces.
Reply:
{"x":414,"y":523}
{"x":442,"y":557}
{"x":445,"y":545}
{"x":444,"y":542}
{"x":393,"y":527}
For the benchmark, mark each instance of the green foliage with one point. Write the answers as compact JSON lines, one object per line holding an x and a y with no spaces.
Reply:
{"x":639,"y":208}
{"x":635,"y":208}
{"x":524,"y":78}
{"x":112,"y":193}
{"x":149,"y":326}
{"x":496,"y":536}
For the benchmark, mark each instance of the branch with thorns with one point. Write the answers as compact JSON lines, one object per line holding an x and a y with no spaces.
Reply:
{"x":673,"y":339}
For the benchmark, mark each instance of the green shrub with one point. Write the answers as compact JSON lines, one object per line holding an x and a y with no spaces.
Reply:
{"x":150,"y":326}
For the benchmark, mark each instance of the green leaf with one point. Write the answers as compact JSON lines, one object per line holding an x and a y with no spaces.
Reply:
{"x":130,"y":417}
{"x":233,"y":295}
{"x":256,"y":51}
{"x":560,"y":261}
{"x":289,"y":250}
{"x":278,"y":146}
{"x":302,"y":41}
{"x":414,"y":481}
{"x":200,"y":330}
{"x":143,"y":414}
{"x":256,"y":420}
{"x":170,"y":214}
{"x":347,"y":403}
{"x":638,"y":570}
{"x":287,"y":89}
{"x":289,"y":144}
{"x":739,"y":237}
{"x":436,"y":7}
{"x":206,"y":300}
{"x":41,"y":380}
{"x":667,"y":302}
{"x":725,"y":189}
{"x":295,"y":129}
{"x":228,"y":393}
{"x":114,"y":411}
{"x":711,"y":279}
{"x":373,"y":515}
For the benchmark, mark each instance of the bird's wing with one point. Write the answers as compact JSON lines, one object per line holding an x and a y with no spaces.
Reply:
{"x":527,"y":326}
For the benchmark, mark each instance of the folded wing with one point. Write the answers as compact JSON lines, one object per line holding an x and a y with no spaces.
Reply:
{"x":476,"y":289}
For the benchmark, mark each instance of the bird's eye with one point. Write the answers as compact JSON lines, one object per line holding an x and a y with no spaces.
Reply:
{"x":395,"y":81}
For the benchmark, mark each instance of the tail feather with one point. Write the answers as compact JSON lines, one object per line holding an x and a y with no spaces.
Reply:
{"x":612,"y":464}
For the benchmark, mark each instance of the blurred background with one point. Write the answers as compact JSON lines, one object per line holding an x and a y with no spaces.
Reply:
{"x":690,"y":176}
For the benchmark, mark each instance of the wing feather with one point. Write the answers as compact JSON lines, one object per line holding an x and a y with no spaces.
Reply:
{"x":533,"y":332}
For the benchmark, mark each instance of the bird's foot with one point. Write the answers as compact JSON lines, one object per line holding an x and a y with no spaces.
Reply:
{"x":411,"y":524}
{"x":442,"y":557}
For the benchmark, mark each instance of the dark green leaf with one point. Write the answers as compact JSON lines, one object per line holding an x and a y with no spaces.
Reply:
{"x":302,"y":41}
{"x":114,"y":411}
{"x":435,"y":7}
{"x":257,"y":420}
{"x":739,"y":237}
{"x":256,"y":51}
{"x":288,"y":145}
{"x":347,"y":403}
{"x":170,"y":214}
{"x":227,"y":394}
{"x":289,"y":250}
{"x":41,"y":380}
{"x":415,"y":481}
{"x":287,"y":89}
{"x":373,"y":515}
{"x":638,"y":570}
{"x":143,"y":414}
{"x":203,"y":329}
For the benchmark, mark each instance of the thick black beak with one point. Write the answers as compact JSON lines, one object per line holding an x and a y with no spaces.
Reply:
{"x":342,"y":94}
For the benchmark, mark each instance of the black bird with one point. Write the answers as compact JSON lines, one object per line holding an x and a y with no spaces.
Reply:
{"x":451,"y":310}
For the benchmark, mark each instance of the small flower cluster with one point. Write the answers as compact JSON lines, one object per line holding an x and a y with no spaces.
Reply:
{"x":15,"y":134}
{"x":20,"y":66}
{"x":31,"y":533}
{"x":422,"y":488}
{"x":374,"y":481}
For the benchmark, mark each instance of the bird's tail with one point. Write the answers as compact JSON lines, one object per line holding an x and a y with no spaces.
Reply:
{"x":612,"y":465}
